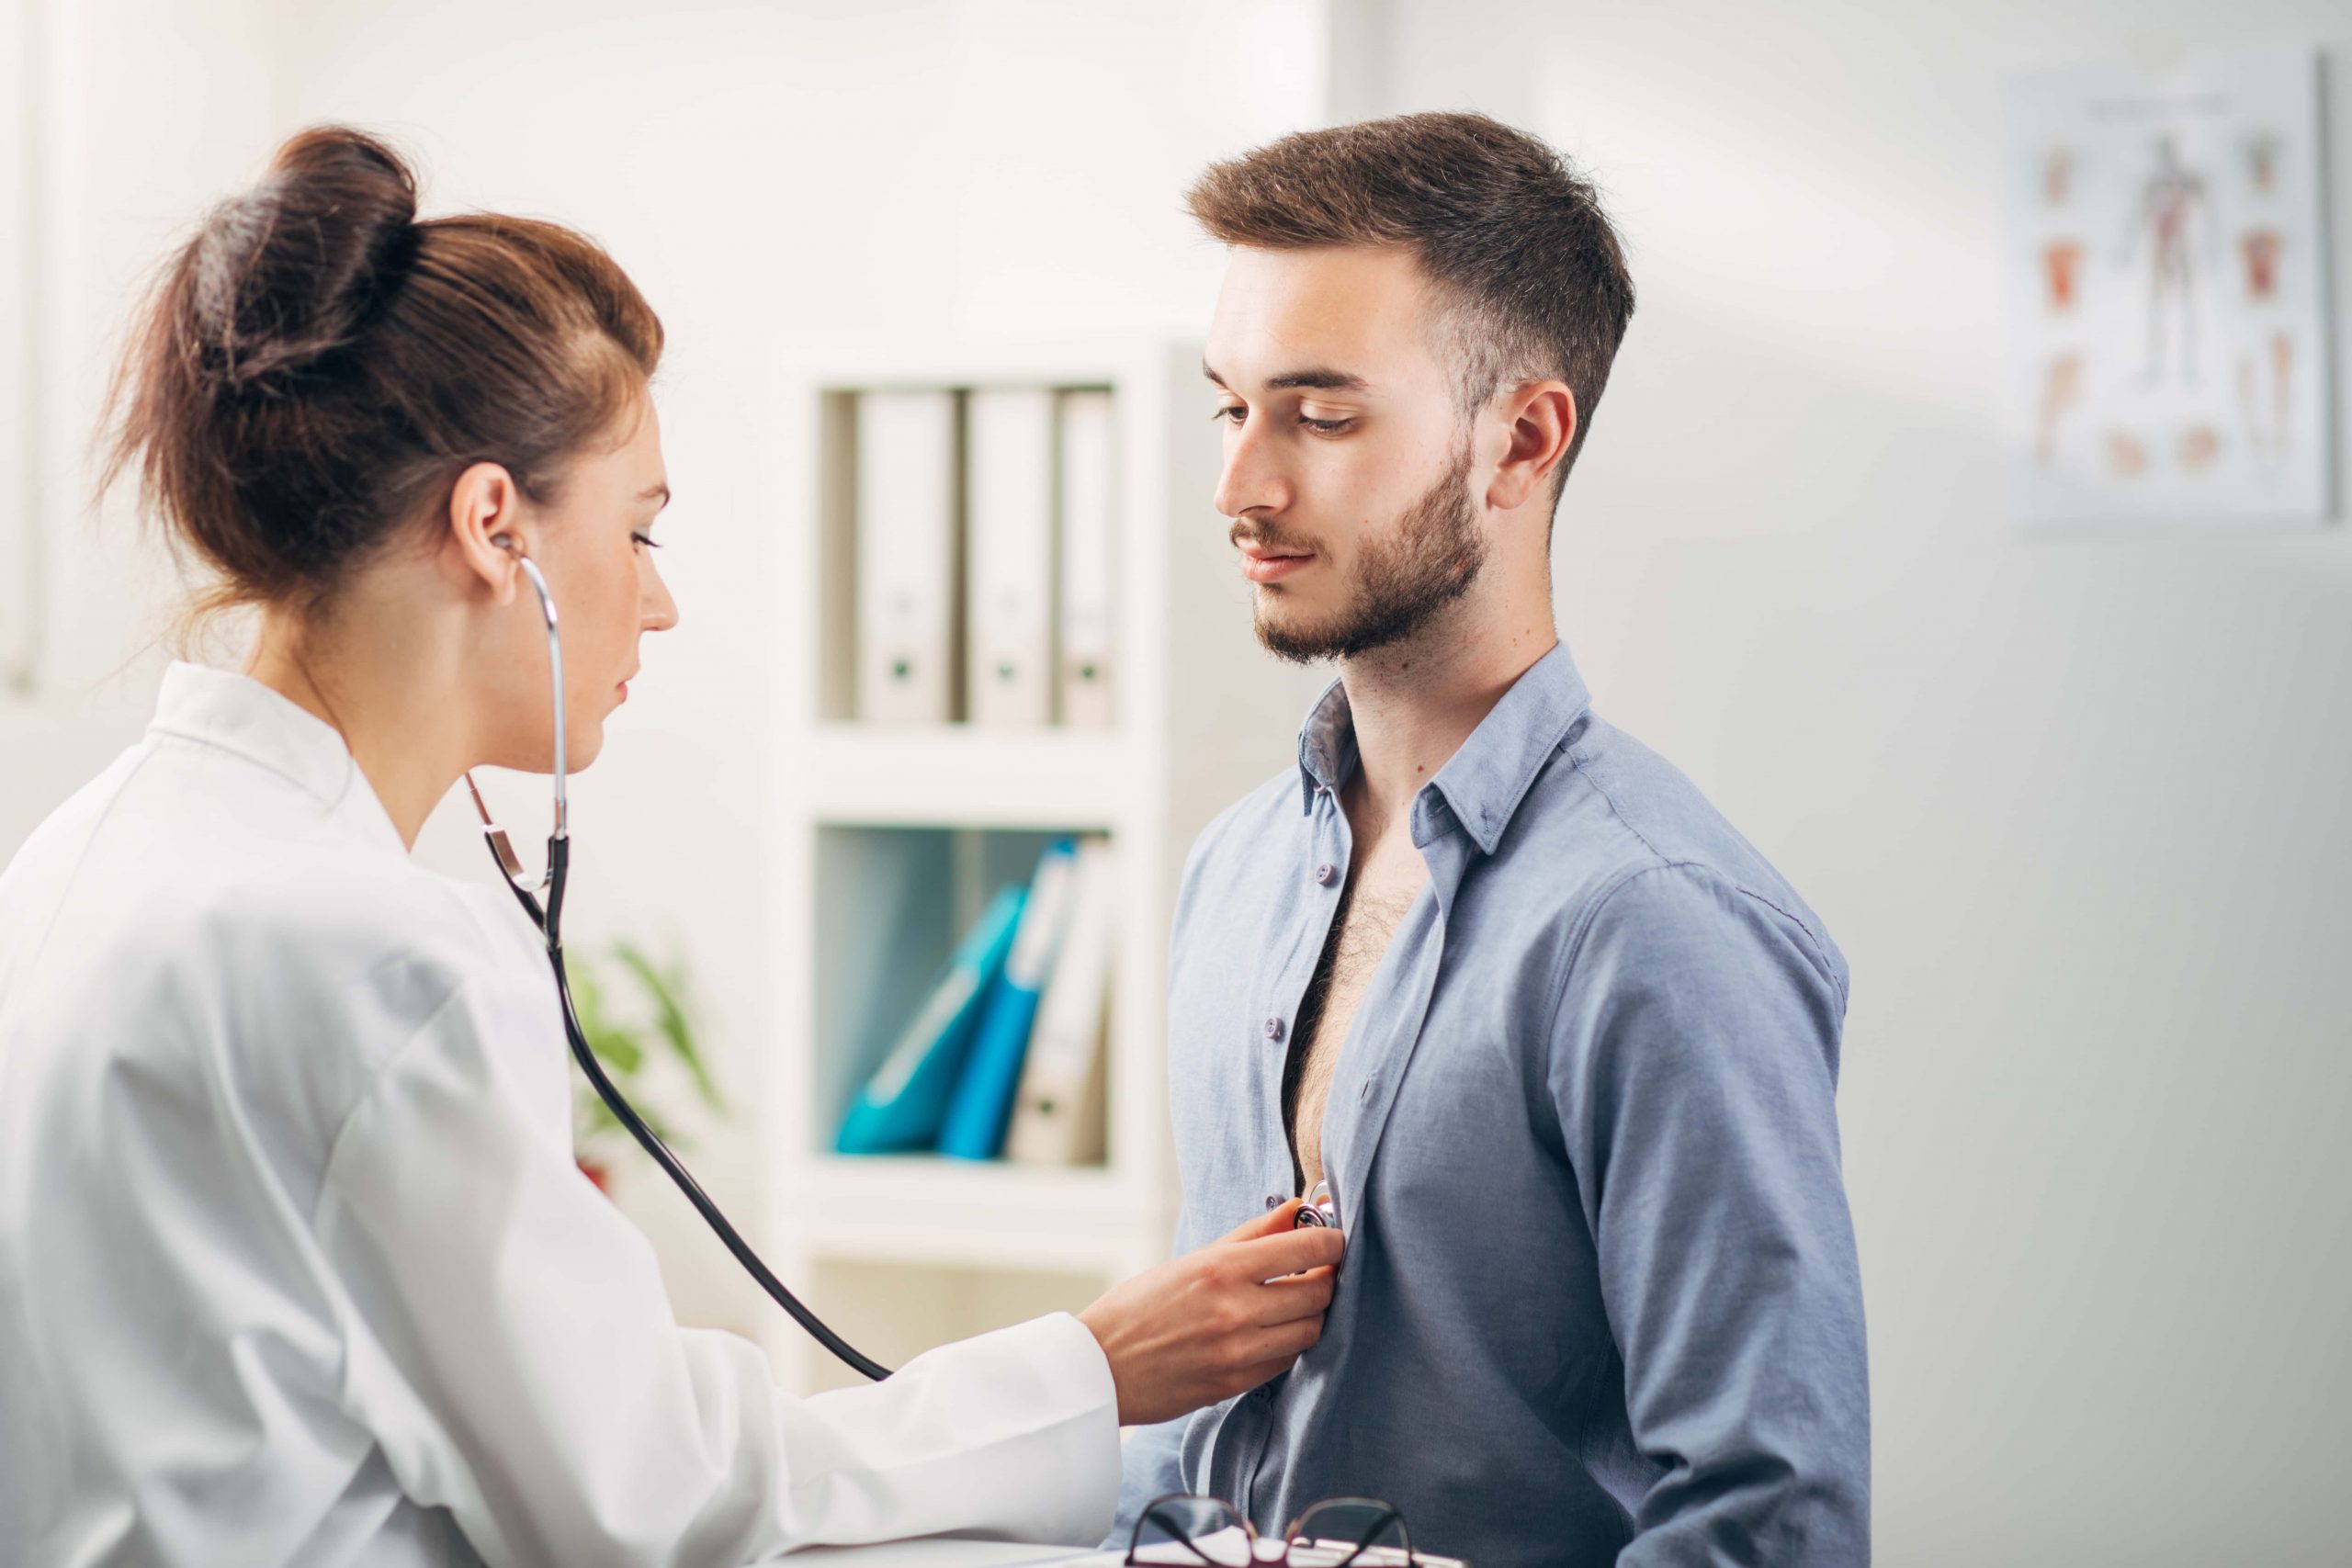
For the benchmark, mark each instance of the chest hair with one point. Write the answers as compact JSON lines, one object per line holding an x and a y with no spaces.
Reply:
{"x":1370,"y":911}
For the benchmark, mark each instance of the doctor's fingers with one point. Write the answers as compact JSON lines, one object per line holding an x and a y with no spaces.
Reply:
{"x":1275,"y":1221}
{"x":1286,"y":1301}
{"x":1292,"y":1252}
{"x":1259,"y":1356}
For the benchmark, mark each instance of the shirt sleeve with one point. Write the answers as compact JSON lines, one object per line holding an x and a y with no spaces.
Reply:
{"x":513,"y":1351}
{"x":1693,"y":1066}
{"x":1151,"y":1463}
{"x":1151,"y":1468}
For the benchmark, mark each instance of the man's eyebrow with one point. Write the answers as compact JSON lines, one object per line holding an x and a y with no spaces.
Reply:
{"x":1319,"y":379}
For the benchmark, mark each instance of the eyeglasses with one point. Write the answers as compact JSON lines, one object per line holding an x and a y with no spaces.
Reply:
{"x":1185,"y":1528}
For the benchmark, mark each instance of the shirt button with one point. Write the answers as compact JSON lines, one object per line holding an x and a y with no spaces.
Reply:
{"x":1325,"y":873}
{"x":1274,"y":1029}
{"x":1274,"y":1200}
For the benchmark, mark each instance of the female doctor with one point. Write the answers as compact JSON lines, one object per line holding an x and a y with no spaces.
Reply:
{"x":295,"y":1266}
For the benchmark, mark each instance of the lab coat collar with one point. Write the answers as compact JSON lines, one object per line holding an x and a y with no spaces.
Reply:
{"x":238,"y":713}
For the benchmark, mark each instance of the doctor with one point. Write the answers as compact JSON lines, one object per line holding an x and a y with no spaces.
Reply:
{"x":295,"y":1267}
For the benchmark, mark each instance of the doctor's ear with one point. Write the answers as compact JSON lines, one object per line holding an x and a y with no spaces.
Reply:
{"x":485,"y":535}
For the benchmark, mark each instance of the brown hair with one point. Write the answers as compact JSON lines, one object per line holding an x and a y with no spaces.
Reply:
{"x":315,"y":368}
{"x":1513,"y":236}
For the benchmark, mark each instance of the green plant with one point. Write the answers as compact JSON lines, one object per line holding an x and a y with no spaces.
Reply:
{"x":630,"y":1042}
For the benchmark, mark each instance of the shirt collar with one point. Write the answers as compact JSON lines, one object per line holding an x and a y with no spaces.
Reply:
{"x":1482,"y":784}
{"x":239,"y":715}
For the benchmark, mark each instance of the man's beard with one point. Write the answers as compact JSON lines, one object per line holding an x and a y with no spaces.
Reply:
{"x":1402,"y":580}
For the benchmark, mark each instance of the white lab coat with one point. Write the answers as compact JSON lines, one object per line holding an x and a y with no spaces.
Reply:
{"x":296,"y":1267}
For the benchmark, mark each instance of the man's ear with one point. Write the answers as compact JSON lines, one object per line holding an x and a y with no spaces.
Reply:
{"x":486,"y":508}
{"x":1541,"y":418}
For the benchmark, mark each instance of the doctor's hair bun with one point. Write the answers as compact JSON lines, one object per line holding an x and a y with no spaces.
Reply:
{"x":315,"y":366}
{"x":289,"y":273}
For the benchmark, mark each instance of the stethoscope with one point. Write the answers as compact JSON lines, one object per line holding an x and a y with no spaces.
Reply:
{"x":549,"y":919}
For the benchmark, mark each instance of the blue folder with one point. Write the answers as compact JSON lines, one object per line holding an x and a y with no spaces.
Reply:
{"x":902,"y":1106}
{"x":982,"y":1107}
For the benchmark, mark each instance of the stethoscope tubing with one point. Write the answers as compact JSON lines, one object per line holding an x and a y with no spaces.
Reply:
{"x":559,"y":859}
{"x":549,"y":920}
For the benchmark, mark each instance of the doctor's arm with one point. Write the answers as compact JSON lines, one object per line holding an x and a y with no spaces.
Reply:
{"x":1693,"y":1066}
{"x":514,"y":1353}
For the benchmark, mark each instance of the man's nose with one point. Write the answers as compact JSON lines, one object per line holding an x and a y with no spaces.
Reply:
{"x":1252,"y":479}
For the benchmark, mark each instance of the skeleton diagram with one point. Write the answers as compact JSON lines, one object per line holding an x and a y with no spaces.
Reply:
{"x":2172,"y":202}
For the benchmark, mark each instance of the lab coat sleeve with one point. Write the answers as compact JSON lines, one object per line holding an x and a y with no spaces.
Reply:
{"x":513,"y":1353}
{"x":1693,"y":1065}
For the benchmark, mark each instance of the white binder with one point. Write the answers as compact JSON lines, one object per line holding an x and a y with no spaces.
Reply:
{"x":908,"y":641}
{"x":1090,"y":560}
{"x":1009,"y":672}
{"x":1057,"y":1113}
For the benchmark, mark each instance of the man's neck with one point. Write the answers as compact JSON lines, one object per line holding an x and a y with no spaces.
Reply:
{"x":1414,"y":703}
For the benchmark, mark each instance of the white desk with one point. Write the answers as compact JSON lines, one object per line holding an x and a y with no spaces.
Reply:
{"x":942,"y":1551}
{"x":935,"y":1551}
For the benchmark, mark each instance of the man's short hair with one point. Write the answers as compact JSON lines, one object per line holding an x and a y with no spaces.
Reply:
{"x":1514,"y":238}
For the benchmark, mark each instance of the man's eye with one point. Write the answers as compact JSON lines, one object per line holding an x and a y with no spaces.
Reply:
{"x":645,"y":539}
{"x":1325,"y":426}
{"x":1231,"y":413}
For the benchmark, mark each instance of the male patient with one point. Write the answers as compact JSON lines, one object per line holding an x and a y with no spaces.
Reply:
{"x":1562,"y":1042}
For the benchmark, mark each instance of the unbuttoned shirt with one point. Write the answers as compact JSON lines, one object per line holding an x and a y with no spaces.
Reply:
{"x":1600,"y":1302}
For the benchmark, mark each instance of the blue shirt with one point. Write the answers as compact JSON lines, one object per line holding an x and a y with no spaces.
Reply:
{"x":1600,"y":1302}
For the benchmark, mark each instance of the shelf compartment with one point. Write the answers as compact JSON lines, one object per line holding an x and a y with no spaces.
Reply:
{"x":957,"y":1212}
{"x":893,"y":1311}
{"x":892,"y":905}
{"x":1077,"y":779}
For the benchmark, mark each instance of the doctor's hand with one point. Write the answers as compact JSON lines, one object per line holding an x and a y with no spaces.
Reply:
{"x":1218,"y":1321}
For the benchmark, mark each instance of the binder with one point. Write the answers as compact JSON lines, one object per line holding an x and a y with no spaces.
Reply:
{"x":983,"y":1102}
{"x":1057,"y":1117}
{"x":908,"y":641}
{"x":903,"y":1105}
{"x":1088,"y":560}
{"x":1010,"y":471}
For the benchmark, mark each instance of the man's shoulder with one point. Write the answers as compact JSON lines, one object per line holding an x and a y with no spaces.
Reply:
{"x":1611,"y":810}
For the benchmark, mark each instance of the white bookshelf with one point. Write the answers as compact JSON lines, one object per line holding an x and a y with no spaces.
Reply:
{"x":906,"y":1252}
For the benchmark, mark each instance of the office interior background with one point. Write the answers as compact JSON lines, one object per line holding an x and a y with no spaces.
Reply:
{"x":2075,"y":802}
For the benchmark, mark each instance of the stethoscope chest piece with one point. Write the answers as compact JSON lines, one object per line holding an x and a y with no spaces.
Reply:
{"x":1317,"y":1210}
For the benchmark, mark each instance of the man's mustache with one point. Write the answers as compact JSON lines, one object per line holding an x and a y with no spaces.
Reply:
{"x":1266,"y":537}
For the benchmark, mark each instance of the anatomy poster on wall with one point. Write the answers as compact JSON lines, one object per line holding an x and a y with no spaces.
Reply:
{"x":2165,"y":257}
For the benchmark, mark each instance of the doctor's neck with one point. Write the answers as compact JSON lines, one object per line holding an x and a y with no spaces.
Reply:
{"x":392,"y":685}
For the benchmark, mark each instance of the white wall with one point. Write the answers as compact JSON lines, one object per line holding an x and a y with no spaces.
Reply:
{"x":148,"y":112}
{"x":2076,"y":807}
